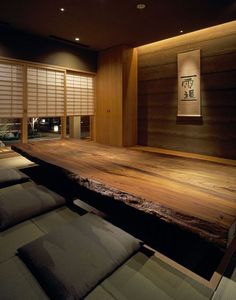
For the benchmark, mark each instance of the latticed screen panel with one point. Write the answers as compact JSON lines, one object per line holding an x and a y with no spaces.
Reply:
{"x":45,"y":92}
{"x":80,"y":95}
{"x":11,"y":90}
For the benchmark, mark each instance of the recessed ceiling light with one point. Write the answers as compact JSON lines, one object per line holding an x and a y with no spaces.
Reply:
{"x":141,"y":6}
{"x":62,"y":9}
{"x":76,"y":39}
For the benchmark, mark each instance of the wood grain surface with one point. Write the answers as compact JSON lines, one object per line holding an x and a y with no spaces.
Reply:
{"x":116,"y":97}
{"x":197,"y":195}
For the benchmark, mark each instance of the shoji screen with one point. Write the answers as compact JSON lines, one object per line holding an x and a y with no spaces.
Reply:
{"x":80,"y":95}
{"x":11,"y":90}
{"x":45,"y":91}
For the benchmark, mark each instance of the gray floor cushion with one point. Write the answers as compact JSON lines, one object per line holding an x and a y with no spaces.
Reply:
{"x":11,"y":176}
{"x":24,"y":201}
{"x":71,"y":261}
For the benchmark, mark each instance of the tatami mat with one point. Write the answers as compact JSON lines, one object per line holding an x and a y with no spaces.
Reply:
{"x":17,"y":282}
{"x":55,"y":218}
{"x":5,"y":149}
{"x":144,"y":277}
{"x":227,"y":287}
{"x":17,"y":236}
{"x":14,"y":162}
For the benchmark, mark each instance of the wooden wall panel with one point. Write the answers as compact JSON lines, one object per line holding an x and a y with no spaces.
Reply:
{"x":116,"y":103}
{"x":130,"y":97}
{"x":109,"y":97}
{"x":158,"y":126}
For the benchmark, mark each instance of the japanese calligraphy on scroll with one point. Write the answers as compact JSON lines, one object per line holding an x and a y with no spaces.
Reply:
{"x":189,"y":102}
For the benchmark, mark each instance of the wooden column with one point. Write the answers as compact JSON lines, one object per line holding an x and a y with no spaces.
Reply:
{"x":63,"y":127}
{"x":24,"y":120}
{"x":24,"y":129}
{"x":92,"y":128}
{"x":63,"y":119}
{"x":74,"y":127}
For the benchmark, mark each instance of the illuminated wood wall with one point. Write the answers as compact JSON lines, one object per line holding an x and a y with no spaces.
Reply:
{"x":215,"y":133}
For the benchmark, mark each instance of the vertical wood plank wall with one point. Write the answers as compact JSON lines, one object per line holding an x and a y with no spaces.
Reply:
{"x":215,"y":133}
{"x":130,"y":97}
{"x":109,"y":97}
{"x":116,"y":86}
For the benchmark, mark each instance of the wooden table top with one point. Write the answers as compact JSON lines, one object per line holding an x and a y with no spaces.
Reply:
{"x":197,"y":195}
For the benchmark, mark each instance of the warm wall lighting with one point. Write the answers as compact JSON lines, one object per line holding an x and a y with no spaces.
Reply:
{"x":181,"y":31}
{"x":191,"y":37}
{"x":141,"y":6}
{"x":62,"y":9}
{"x":76,"y":39}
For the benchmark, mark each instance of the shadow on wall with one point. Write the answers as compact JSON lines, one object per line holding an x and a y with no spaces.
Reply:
{"x":189,"y":120}
{"x":219,"y":111}
{"x":46,"y":51}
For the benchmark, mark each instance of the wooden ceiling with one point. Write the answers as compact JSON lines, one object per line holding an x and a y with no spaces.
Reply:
{"x":101,"y":24}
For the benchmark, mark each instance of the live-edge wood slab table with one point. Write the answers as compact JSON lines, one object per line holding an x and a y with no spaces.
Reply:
{"x":196,"y":195}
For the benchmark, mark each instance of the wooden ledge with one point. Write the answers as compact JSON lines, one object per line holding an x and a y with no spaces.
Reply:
{"x":219,"y":160}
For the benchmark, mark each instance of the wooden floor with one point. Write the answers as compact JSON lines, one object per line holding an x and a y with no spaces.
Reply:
{"x":198,"y":195}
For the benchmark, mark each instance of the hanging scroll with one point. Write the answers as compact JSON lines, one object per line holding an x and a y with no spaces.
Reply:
{"x":189,"y":102}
